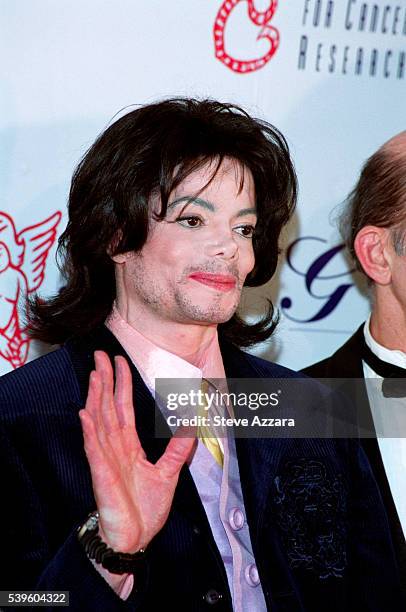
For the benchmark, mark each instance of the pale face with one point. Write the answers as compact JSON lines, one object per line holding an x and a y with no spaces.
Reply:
{"x":193,"y":266}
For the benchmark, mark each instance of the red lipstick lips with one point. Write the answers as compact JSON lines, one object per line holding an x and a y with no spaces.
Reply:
{"x":221,"y":282}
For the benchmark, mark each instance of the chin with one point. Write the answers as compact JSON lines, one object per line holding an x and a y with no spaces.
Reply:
{"x":207,"y":312}
{"x":217,"y":318}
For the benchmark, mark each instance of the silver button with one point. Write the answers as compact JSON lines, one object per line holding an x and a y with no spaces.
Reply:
{"x":251,"y":575}
{"x":236,"y":519}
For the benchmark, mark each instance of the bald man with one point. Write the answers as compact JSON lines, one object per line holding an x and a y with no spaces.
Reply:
{"x":373,"y":226}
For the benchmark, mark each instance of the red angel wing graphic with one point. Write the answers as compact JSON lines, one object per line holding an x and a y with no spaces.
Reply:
{"x":26,"y":254}
{"x":37,"y":241}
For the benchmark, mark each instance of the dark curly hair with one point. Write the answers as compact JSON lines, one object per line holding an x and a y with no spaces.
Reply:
{"x":147,"y":151}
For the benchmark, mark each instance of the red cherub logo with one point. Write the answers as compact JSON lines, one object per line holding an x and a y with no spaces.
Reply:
{"x":23,"y":258}
{"x":259,"y":18}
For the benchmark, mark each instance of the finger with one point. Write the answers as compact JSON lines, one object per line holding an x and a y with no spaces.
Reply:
{"x":103,"y":468}
{"x":93,"y":448}
{"x":123,"y":393}
{"x":103,"y":367}
{"x":123,"y":399}
{"x":93,"y":403}
{"x":108,"y":412}
{"x":93,"y":399}
{"x":175,"y":455}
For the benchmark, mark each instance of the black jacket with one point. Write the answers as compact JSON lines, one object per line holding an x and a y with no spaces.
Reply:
{"x":346,"y":362}
{"x":318,"y":528}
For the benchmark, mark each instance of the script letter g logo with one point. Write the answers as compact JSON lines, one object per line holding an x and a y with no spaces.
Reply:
{"x":259,"y":18}
{"x":313,"y":276}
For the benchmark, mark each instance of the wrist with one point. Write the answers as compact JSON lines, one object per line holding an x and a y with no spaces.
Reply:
{"x":116,"y":562}
{"x":119,"y":544}
{"x":122,"y":584}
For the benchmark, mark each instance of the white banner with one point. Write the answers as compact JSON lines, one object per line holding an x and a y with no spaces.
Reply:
{"x":330,"y":74}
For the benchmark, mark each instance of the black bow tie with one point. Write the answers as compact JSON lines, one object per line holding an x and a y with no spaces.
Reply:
{"x":394,"y":377}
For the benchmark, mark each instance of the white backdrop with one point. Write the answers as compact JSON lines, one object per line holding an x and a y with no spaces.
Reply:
{"x":330,"y":74}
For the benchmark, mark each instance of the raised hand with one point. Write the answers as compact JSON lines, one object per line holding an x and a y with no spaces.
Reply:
{"x":133,"y":496}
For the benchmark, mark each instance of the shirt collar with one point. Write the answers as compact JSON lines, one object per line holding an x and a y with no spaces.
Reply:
{"x":395,"y":357}
{"x":153,"y":361}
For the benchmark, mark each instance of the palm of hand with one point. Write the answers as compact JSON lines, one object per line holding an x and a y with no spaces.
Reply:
{"x":133,"y":496}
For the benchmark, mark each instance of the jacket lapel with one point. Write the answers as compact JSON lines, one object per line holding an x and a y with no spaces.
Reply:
{"x":346,"y":362}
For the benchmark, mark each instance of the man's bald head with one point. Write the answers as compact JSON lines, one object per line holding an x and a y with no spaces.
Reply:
{"x":379,"y":197}
{"x":395,"y":146}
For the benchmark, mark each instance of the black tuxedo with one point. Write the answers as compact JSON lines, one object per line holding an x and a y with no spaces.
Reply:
{"x":318,"y":528}
{"x":346,"y":362}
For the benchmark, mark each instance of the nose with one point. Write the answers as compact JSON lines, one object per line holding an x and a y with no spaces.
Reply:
{"x":222,"y":244}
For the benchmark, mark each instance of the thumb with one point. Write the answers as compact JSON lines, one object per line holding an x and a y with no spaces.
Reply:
{"x":177,"y":451}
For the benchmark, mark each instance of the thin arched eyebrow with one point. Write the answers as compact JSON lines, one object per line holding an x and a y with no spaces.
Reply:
{"x":209,"y":205}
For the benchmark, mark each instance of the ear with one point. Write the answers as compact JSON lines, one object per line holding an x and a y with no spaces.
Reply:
{"x":372,"y":246}
{"x":119,"y":259}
